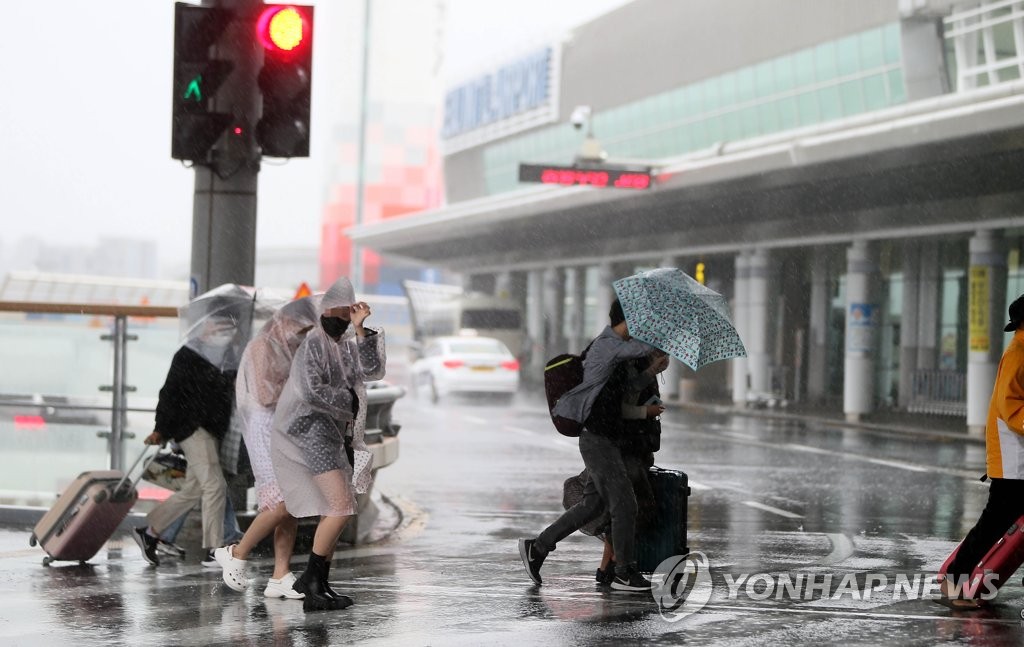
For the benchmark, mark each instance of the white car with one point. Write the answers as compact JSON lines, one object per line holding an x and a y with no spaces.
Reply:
{"x":465,"y":365}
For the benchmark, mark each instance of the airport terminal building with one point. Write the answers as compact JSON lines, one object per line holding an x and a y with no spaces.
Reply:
{"x":847,"y":172}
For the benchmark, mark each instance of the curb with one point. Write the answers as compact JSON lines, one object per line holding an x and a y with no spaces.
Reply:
{"x":875,"y":427}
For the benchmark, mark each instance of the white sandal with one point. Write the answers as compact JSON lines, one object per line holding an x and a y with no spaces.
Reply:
{"x":234,"y":568}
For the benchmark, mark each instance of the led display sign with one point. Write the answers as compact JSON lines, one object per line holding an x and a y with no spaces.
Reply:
{"x":606,"y":175}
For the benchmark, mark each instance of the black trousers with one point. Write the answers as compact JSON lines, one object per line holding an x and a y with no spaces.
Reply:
{"x":609,"y":487}
{"x":1005,"y":505}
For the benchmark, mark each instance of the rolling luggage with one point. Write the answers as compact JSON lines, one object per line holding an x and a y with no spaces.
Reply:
{"x":86,"y":514}
{"x":1003,"y":560}
{"x":666,"y":536}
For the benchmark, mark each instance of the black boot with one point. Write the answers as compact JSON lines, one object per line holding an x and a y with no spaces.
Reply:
{"x":342,"y":600}
{"x":311,"y":583}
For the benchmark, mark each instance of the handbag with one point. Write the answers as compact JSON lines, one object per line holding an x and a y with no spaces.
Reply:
{"x":167,"y":470}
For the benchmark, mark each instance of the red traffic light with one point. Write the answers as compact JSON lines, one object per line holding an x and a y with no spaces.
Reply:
{"x":282,"y":28}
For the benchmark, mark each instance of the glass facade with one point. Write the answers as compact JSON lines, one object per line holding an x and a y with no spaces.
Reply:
{"x":850,"y":76}
{"x":985,"y":44}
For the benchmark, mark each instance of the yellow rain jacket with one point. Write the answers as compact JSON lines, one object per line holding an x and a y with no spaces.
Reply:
{"x":1004,"y":433}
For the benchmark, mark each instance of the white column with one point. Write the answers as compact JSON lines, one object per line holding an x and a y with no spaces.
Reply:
{"x":739,"y":315}
{"x":605,"y":295}
{"x":578,"y":289}
{"x":863,"y":315}
{"x":535,"y":320}
{"x":928,"y":315}
{"x":909,"y":321}
{"x":817,"y":347}
{"x":554,"y":311}
{"x":986,"y":289}
{"x":503,"y":285}
{"x":757,"y":315}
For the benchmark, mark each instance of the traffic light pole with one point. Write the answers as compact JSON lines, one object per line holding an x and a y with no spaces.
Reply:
{"x":224,"y":203}
{"x":358,"y":279}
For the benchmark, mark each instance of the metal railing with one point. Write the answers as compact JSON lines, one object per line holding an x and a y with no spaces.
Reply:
{"x":47,"y":417}
{"x":119,"y":337}
{"x":941,"y":393}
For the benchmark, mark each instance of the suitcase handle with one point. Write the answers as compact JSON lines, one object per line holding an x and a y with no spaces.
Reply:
{"x":127,"y":473}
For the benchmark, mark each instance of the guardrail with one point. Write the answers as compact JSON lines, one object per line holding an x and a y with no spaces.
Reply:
{"x":45,"y":418}
{"x":119,"y":337}
{"x":941,"y":393}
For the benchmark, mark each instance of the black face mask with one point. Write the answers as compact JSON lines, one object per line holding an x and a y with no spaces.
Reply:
{"x":334,"y":326}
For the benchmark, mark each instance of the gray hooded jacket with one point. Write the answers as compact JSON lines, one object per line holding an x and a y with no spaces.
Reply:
{"x":605,"y":353}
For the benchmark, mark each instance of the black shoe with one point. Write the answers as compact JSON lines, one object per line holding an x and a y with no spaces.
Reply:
{"x":312,"y":584}
{"x":169,"y":548}
{"x":634,"y":582}
{"x":532,"y":558}
{"x":148,"y":545}
{"x":316,"y":599}
{"x":209,"y":561}
{"x":340,"y":601}
{"x":607,"y":575}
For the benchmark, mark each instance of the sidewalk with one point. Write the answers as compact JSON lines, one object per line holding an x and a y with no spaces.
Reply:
{"x":888,"y":422}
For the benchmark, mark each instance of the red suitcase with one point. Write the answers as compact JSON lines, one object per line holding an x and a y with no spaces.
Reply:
{"x":1002,"y":560}
{"x":86,"y":514}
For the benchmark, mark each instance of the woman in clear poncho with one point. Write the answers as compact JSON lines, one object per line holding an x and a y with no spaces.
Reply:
{"x":262,"y":374}
{"x":320,"y":459}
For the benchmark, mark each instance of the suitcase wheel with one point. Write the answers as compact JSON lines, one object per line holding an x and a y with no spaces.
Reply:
{"x":47,"y":560}
{"x":32,"y":541}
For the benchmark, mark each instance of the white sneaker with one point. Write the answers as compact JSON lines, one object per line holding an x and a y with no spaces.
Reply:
{"x":282,"y":588}
{"x":234,"y":569}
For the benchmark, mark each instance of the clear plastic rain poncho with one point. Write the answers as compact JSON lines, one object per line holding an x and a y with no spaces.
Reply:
{"x":323,"y":402}
{"x":217,"y":325}
{"x":262,"y":374}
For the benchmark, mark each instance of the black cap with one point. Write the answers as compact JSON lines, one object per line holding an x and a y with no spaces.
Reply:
{"x":1016,"y":311}
{"x":615,"y":314}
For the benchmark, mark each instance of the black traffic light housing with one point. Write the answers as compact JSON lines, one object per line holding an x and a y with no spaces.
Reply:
{"x":285,"y":81}
{"x":196,"y":125}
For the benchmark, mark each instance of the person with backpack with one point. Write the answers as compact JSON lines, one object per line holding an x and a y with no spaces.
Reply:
{"x":599,"y":409}
{"x":639,"y":439}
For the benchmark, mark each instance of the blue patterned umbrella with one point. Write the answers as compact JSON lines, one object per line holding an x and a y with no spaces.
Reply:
{"x":671,"y":311}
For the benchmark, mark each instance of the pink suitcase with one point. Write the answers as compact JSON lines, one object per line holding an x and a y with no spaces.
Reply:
{"x":86,"y":514}
{"x":1002,"y":560}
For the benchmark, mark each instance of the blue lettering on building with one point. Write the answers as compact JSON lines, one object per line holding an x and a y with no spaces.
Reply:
{"x":513,"y":89}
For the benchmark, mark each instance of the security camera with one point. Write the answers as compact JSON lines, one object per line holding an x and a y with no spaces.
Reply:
{"x":580,"y":116}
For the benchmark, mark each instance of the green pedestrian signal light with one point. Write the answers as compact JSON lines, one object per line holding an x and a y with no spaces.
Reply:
{"x":198,"y":73}
{"x":194,"y":91}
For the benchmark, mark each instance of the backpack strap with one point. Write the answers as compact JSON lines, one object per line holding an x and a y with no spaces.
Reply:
{"x":583,"y":355}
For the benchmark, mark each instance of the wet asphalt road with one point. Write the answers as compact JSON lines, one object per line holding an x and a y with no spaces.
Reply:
{"x":769,"y":497}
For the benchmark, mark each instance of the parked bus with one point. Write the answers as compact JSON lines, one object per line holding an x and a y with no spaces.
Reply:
{"x":438,"y":310}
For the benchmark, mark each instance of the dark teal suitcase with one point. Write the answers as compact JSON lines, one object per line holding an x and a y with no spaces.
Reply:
{"x":666,"y":535}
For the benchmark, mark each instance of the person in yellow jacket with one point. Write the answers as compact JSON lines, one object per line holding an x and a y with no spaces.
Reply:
{"x":1004,"y":444}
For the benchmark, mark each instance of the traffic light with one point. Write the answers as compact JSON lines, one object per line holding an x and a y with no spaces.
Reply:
{"x":286,"y":34}
{"x":196,"y":125}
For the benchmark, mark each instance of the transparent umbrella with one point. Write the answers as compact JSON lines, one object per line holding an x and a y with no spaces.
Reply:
{"x":217,"y":324}
{"x":671,"y":311}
